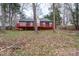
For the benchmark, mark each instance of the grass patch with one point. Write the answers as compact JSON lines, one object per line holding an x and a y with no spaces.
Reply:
{"x":43,"y":43}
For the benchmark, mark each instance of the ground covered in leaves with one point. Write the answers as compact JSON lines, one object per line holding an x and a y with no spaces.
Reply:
{"x":44,"y":43}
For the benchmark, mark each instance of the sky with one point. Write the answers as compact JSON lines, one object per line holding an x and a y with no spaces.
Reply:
{"x":44,"y":10}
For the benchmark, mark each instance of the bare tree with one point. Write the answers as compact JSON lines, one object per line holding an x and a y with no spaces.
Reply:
{"x":74,"y":9}
{"x":54,"y":17}
{"x":3,"y":10}
{"x":34,"y":17}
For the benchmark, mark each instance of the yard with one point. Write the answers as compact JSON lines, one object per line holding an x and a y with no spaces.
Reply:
{"x":46,"y":42}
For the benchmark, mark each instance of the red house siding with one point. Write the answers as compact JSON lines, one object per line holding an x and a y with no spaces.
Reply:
{"x":30,"y":25}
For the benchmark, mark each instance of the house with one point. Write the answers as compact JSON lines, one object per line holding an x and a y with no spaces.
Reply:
{"x":28,"y":23}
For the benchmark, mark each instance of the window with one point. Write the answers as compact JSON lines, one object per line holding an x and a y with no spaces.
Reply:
{"x":31,"y":24}
{"x":50,"y":24}
{"x":22,"y":24}
{"x":44,"y":24}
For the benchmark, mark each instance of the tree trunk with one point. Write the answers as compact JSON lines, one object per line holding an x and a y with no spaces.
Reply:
{"x":54,"y":25}
{"x":3,"y":18}
{"x":11,"y":20}
{"x":77,"y":16}
{"x":3,"y":21}
{"x":10,"y":16}
{"x":15,"y":20}
{"x":34,"y":17}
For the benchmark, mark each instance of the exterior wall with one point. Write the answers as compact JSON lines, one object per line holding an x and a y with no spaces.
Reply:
{"x":43,"y":25}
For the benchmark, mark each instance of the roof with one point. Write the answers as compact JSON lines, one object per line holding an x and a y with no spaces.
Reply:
{"x":45,"y":19}
{"x":30,"y":19}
